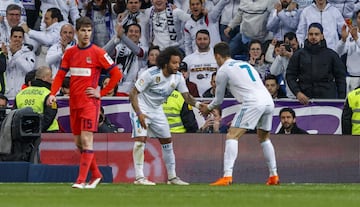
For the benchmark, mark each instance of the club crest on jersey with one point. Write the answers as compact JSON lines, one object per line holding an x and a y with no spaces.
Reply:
{"x":157,"y":79}
{"x":139,"y":131}
{"x":88,"y":60}
{"x":172,"y":85}
{"x":141,"y":82}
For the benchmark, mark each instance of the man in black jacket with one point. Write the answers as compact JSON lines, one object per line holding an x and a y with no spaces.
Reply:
{"x":316,"y":71}
{"x":288,"y":121}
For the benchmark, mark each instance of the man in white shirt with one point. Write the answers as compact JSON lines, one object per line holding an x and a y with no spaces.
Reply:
{"x":201,"y":63}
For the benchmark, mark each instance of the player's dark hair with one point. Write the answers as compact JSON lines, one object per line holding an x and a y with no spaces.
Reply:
{"x":287,"y":109}
{"x":223,"y":49}
{"x":83,"y":22}
{"x":56,"y":13}
{"x":165,"y":56}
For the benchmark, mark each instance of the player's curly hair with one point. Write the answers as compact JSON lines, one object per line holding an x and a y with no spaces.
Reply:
{"x":165,"y":55}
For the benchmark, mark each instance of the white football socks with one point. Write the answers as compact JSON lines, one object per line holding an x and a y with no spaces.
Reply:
{"x":230,"y":155}
{"x":169,"y":159}
{"x":138,"y":158}
{"x":269,"y":154}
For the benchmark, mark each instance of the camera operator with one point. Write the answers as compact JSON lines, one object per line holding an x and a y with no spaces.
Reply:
{"x":281,"y":61}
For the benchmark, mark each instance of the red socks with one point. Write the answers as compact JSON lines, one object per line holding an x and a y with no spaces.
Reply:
{"x":95,"y":172}
{"x":85,"y":162}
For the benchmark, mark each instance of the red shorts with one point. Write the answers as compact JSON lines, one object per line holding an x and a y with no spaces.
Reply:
{"x":84,"y":119}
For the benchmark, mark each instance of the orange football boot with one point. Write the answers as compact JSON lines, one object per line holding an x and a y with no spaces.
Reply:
{"x":224,"y":181}
{"x":273,"y":180}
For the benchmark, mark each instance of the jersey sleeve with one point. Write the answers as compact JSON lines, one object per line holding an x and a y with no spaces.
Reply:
{"x":143,"y":81}
{"x":182,"y":88}
{"x":105,"y":60}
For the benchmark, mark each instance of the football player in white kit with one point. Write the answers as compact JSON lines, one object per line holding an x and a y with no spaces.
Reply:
{"x":151,"y":89}
{"x":256,"y":110}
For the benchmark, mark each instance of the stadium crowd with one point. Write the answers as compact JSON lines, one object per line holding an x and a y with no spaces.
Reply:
{"x":273,"y":36}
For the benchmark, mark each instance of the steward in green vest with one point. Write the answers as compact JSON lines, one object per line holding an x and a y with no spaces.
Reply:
{"x":350,"y":118}
{"x":35,"y":96}
{"x":179,"y":114}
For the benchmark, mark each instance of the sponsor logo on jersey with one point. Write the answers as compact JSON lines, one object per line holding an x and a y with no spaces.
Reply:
{"x":88,"y":60}
{"x":80,"y":71}
{"x":141,"y":82}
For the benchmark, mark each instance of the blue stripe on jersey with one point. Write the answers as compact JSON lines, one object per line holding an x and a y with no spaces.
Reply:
{"x":154,"y":71}
{"x":240,"y":117}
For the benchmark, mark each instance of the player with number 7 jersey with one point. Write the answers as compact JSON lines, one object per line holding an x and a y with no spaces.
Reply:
{"x":256,"y":110}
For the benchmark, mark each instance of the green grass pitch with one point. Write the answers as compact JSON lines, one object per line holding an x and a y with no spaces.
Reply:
{"x":161,"y":195}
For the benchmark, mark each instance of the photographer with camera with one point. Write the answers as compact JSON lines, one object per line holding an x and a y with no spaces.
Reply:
{"x":281,"y":61}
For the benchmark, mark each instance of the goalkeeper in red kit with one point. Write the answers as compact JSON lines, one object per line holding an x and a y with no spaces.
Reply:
{"x":85,"y":61}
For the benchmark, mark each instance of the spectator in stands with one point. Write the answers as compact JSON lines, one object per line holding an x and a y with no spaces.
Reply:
{"x":165,"y":24}
{"x":272,"y":50}
{"x":49,"y":36}
{"x":278,"y":67}
{"x":179,"y":114}
{"x":103,"y":18}
{"x":68,"y":8}
{"x":200,"y":20}
{"x":20,"y":60}
{"x":129,"y":55}
{"x":284,"y":18}
{"x":201,"y":64}
{"x":350,"y":118}
{"x":210,"y":93}
{"x":153,"y":52}
{"x":228,"y":13}
{"x":350,"y":45}
{"x":183,"y":68}
{"x":133,"y":15}
{"x":346,"y":7}
{"x":12,"y":19}
{"x":105,"y":125}
{"x":36,"y":95}
{"x":303,"y":3}
{"x":325,"y":14}
{"x":288,"y":122}
{"x":65,"y":87}
{"x":257,"y":58}
{"x":30,"y":76}
{"x":252,"y":17}
{"x":56,"y":51}
{"x":213,"y":122}
{"x":112,"y":92}
{"x":316,"y":71}
{"x":273,"y":86}
{"x":32,"y":9}
{"x":5,"y":3}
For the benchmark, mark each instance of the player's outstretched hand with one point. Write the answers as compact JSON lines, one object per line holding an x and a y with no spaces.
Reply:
{"x":92,"y":92}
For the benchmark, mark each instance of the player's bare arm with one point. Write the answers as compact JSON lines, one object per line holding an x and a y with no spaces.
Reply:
{"x":189,"y":99}
{"x":133,"y":96}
